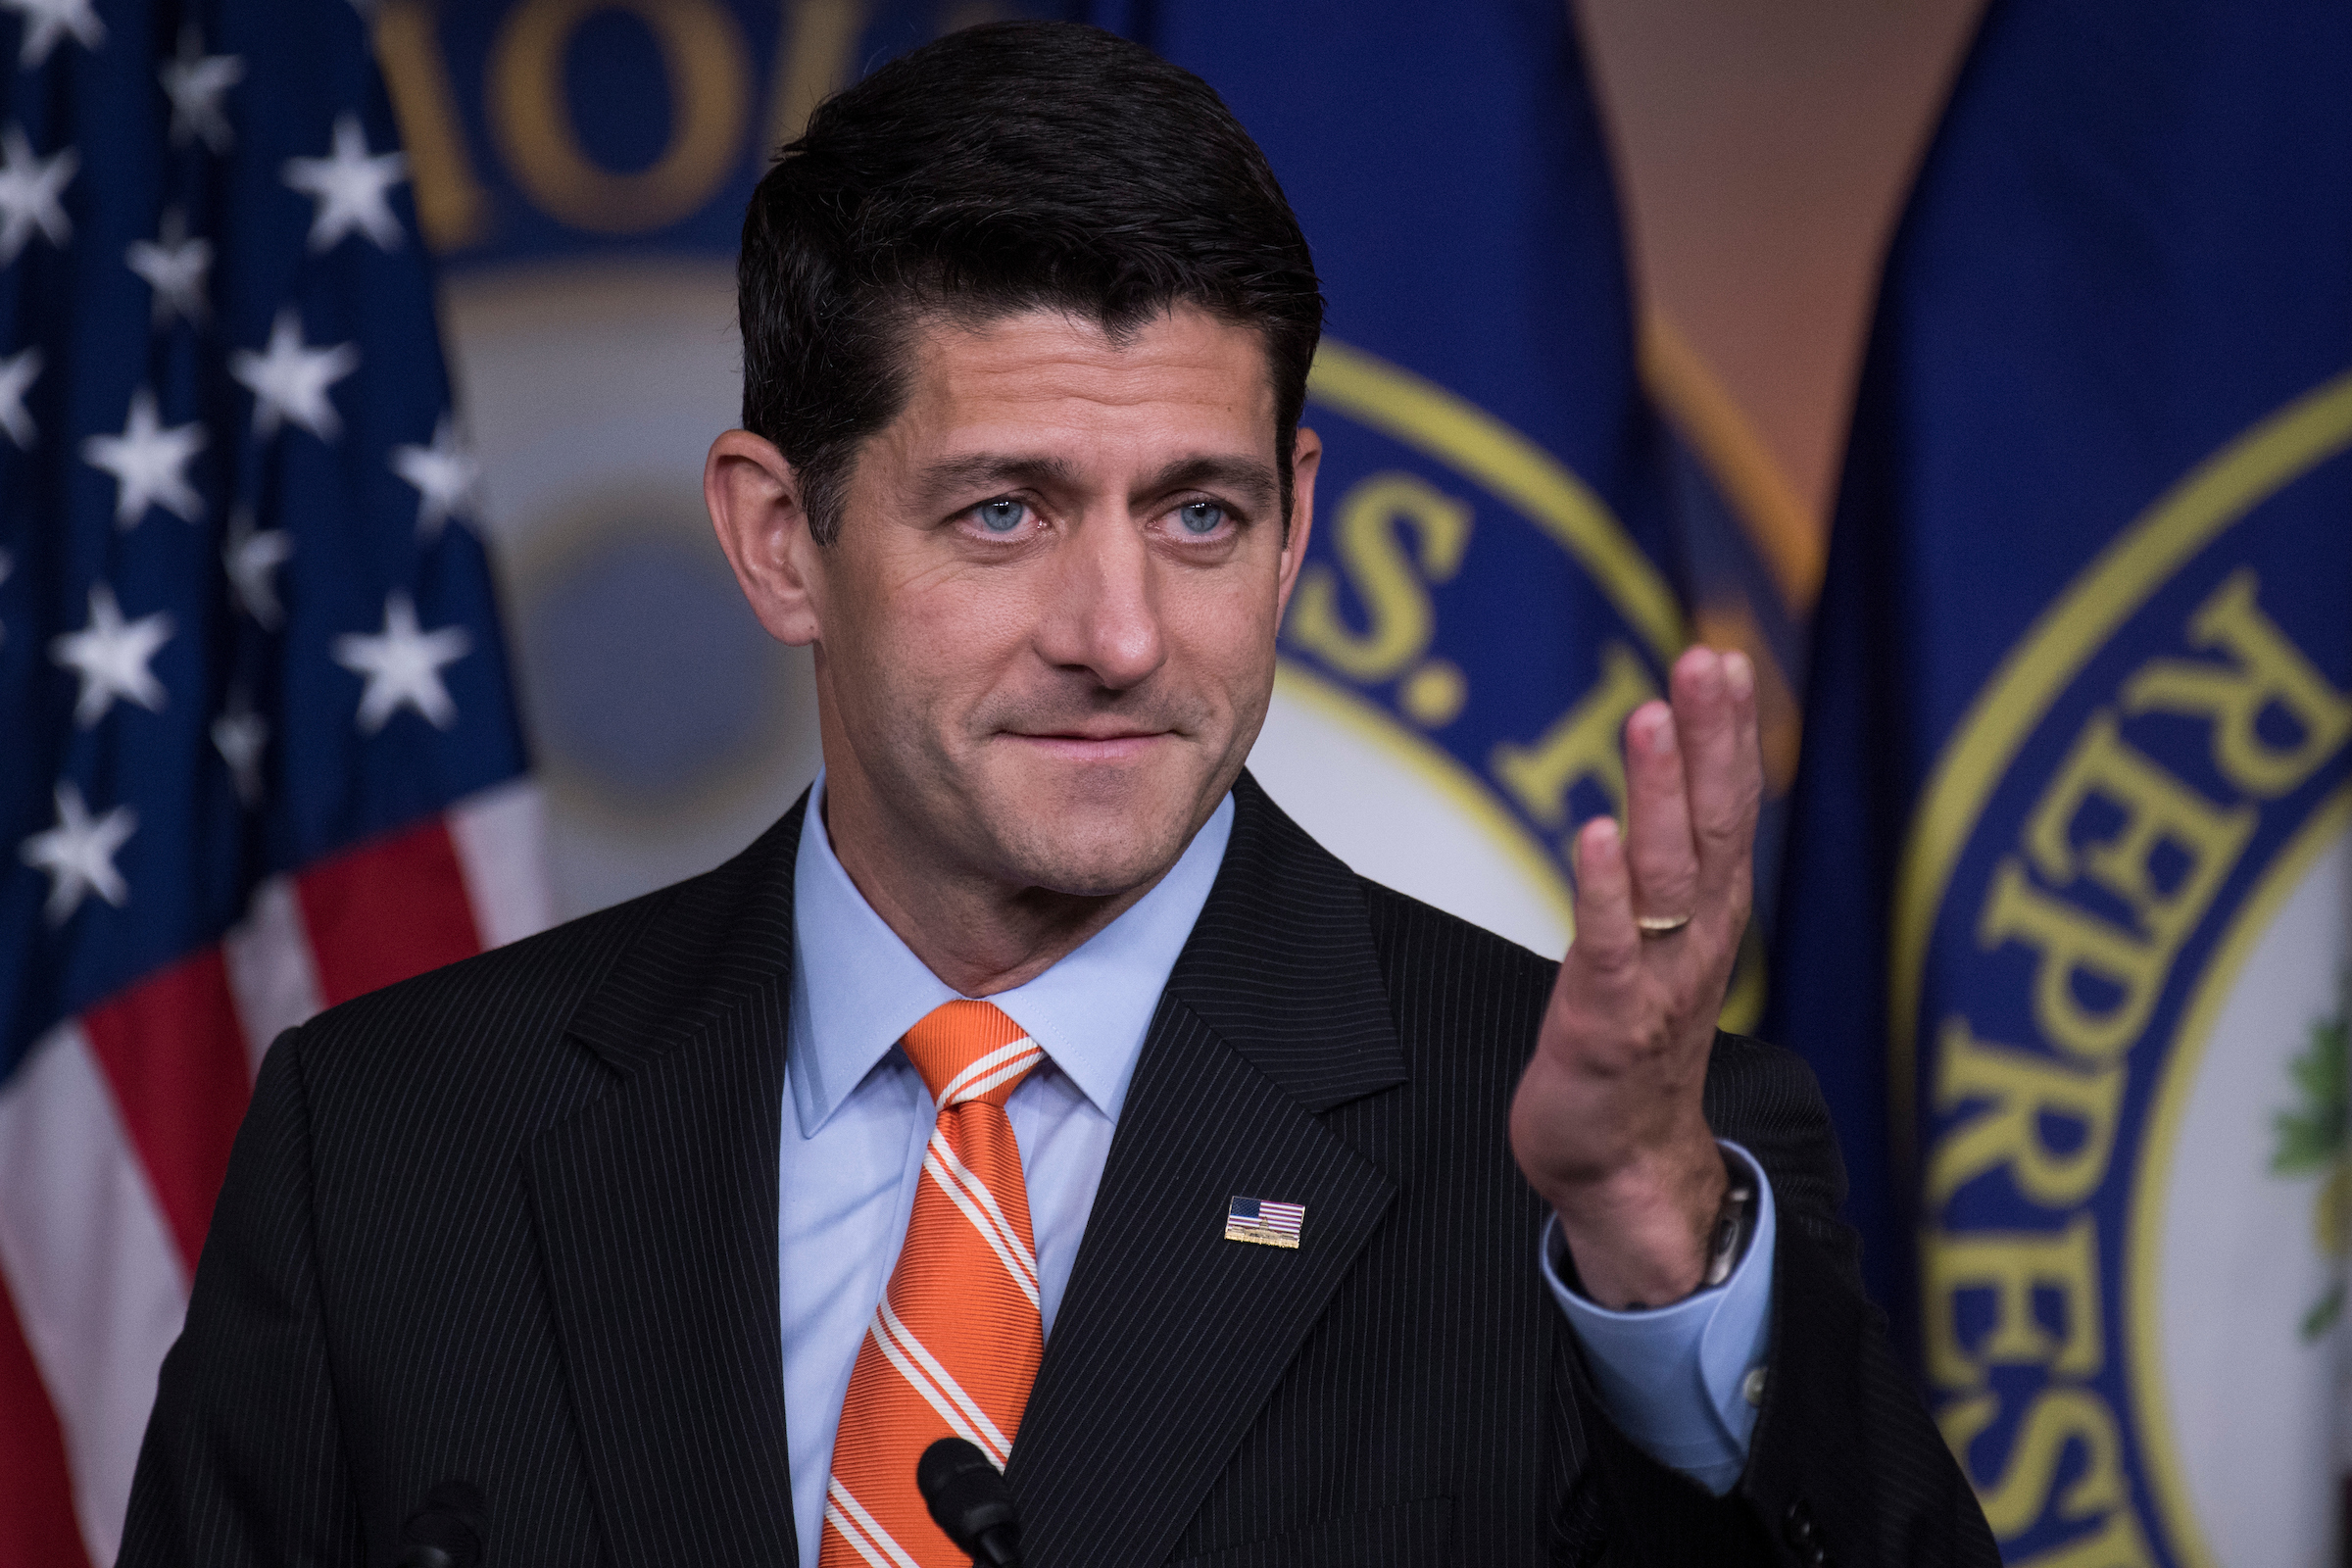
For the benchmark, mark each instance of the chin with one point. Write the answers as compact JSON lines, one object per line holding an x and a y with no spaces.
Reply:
{"x":1094,"y":848}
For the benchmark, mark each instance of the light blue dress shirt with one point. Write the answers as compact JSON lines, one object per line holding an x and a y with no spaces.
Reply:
{"x":858,"y":1117}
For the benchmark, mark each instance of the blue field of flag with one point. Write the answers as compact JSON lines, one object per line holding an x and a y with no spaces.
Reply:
{"x":1253,"y":1219}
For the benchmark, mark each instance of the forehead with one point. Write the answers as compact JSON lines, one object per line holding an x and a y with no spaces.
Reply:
{"x":1185,"y":376}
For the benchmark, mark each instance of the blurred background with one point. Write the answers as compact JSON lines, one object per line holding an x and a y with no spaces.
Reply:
{"x":589,"y":315}
{"x":1986,"y":372}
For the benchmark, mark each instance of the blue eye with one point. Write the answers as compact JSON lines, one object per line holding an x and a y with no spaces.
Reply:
{"x":1200,"y":516}
{"x":1001,"y":516}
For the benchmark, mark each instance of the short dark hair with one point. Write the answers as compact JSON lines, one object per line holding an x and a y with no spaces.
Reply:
{"x":1004,"y":168}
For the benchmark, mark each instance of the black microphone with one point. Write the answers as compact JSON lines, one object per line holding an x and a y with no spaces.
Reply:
{"x":446,"y":1531}
{"x":968,"y":1498}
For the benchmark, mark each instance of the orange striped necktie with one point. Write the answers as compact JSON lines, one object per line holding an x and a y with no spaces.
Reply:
{"x":956,"y":1342}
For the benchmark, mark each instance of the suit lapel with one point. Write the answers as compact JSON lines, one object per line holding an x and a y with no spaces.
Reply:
{"x":656,"y":1209}
{"x":1170,"y":1337}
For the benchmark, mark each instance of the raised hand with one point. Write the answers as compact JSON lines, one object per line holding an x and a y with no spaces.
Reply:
{"x":1607,"y":1123}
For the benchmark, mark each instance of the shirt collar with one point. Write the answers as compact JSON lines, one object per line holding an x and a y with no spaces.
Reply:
{"x":857,"y":988}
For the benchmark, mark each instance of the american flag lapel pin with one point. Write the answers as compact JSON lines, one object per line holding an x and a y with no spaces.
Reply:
{"x":1253,"y":1219}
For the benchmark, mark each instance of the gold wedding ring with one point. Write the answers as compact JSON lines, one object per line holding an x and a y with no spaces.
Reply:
{"x":1660,"y":925}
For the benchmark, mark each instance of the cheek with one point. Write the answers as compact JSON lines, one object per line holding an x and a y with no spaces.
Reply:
{"x":1224,"y":632}
{"x":940,"y":641}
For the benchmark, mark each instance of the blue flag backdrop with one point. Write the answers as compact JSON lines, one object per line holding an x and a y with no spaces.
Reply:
{"x":2064,"y":921}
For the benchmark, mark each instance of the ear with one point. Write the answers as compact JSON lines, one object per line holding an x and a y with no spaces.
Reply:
{"x":755,"y":503}
{"x":1307,"y":457}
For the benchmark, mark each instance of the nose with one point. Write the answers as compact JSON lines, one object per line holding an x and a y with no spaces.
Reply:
{"x":1105,"y":615}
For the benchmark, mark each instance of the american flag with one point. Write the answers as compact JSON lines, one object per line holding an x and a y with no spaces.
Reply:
{"x":258,"y":751}
{"x":1255,"y":1215}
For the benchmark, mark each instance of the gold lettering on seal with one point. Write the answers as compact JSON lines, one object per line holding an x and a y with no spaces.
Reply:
{"x":2118,"y":1543}
{"x":2014,"y":1265}
{"x":451,"y":207}
{"x":2057,"y":1418}
{"x":1581,"y":746}
{"x":2117,"y":866}
{"x":2074,"y":947}
{"x":703,"y":51}
{"x":2158,"y":812}
{"x":1384,"y":576}
{"x":2267,"y":671}
{"x":2020,"y":1091}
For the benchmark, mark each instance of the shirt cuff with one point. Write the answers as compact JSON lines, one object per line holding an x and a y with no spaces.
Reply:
{"x":1682,"y":1381}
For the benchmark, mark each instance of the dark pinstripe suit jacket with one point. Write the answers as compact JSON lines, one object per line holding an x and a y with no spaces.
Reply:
{"x":515,"y":1222}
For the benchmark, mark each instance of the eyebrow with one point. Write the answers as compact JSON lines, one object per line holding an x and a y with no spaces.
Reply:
{"x":989,"y":470}
{"x":1254,"y":480}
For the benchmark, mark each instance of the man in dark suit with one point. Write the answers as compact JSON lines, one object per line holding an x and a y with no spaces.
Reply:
{"x":673,"y":1235}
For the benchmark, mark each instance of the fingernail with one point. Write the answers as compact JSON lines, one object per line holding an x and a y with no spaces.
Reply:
{"x":1738,"y":674}
{"x":1589,"y":839}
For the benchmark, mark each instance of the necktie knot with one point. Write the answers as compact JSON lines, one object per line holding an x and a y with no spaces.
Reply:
{"x":969,"y":1051}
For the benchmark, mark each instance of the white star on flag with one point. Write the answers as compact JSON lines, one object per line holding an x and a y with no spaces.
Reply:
{"x":241,"y":735}
{"x":444,"y":474}
{"x":17,"y":376}
{"x":251,"y":559}
{"x":196,"y":82}
{"x":111,"y":656}
{"x":29,"y":188}
{"x":175,"y":267}
{"x":47,"y":21}
{"x":149,"y":463}
{"x":289,"y":381}
{"x":402,"y":666}
{"x":79,"y":855}
{"x":350,"y":188}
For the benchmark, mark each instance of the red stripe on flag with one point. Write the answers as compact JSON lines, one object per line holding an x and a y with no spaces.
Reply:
{"x":174,"y":1053}
{"x":385,"y":911}
{"x":37,"y":1528}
